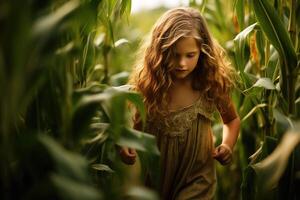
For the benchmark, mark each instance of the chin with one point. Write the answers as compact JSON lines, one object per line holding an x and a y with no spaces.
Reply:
{"x":184,"y":76}
{"x":181,"y":77}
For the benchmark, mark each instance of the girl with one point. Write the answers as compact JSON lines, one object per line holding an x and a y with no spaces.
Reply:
{"x":184,"y":78}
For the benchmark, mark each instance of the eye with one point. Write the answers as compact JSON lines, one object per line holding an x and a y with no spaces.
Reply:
{"x":190,"y":55}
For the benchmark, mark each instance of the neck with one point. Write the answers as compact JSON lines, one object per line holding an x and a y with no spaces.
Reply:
{"x":182,"y":82}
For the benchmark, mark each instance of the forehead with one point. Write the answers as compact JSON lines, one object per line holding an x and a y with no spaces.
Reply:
{"x":186,"y":44}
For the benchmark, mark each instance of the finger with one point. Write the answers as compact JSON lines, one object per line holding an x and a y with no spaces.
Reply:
{"x":128,"y":156}
{"x":124,"y":151}
{"x":127,"y":152}
{"x":132,"y":152}
{"x":220,"y":152}
{"x":227,"y":147}
{"x":227,"y":160}
{"x":128,"y":160}
{"x":228,"y":156}
{"x":215,"y":152}
{"x":223,"y":159}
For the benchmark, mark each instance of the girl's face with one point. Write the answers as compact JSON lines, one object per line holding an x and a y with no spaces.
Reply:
{"x":186,"y":57}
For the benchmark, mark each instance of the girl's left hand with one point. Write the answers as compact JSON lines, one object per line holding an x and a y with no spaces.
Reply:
{"x":223,"y":154}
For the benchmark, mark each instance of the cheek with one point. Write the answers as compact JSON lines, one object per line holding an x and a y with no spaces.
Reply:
{"x":194,"y":62}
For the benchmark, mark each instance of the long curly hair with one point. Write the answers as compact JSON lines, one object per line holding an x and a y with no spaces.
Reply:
{"x":213,"y":75}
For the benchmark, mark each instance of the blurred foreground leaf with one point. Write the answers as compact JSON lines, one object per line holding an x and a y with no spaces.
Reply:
{"x":270,"y":170}
{"x":69,"y":189}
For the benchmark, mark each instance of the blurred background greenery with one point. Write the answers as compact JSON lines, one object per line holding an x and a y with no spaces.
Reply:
{"x":61,"y":119}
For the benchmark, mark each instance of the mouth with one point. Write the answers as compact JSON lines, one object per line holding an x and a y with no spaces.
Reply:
{"x":180,"y":70}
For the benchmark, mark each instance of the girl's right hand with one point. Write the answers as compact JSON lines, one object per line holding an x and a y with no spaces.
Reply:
{"x":128,"y":155}
{"x":223,"y":154}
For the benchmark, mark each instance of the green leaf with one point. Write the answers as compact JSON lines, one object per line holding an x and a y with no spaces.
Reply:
{"x":65,"y":49}
{"x":125,"y":7}
{"x":240,"y":42}
{"x":148,"y":152}
{"x":138,"y":140}
{"x":113,"y":101}
{"x":99,"y":39}
{"x":277,"y":34}
{"x":255,"y":156}
{"x":99,"y":126}
{"x":248,"y":79}
{"x":268,"y":147}
{"x":93,"y":88}
{"x":111,"y":31}
{"x":248,"y":184}
{"x":46,"y":24}
{"x":70,"y":189}
{"x":119,"y":79}
{"x":102,"y":167}
{"x":240,"y":13}
{"x":201,"y":5}
{"x":253,"y":110}
{"x":284,"y":121}
{"x":270,"y":170}
{"x":67,"y":163}
{"x":84,"y":110}
{"x":121,"y":42}
{"x":219,"y":13}
{"x":100,"y":130}
{"x":273,"y":65}
{"x":142,"y":193}
{"x":265,"y":83}
{"x":132,"y":96}
{"x":283,"y":104}
{"x":260,"y":43}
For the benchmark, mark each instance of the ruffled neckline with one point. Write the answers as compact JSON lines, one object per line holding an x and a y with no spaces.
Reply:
{"x":186,"y":107}
{"x":176,"y":122}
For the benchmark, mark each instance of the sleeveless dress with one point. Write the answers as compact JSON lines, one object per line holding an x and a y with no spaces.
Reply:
{"x":185,"y":140}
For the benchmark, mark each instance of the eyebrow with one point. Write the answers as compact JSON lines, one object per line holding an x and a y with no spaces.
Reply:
{"x":190,"y":52}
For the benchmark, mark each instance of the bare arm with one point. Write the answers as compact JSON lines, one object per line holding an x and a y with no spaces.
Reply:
{"x":223,"y":153}
{"x":231,"y":132}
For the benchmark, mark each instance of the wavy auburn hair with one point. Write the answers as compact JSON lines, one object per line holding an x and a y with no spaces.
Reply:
{"x":213,"y":75}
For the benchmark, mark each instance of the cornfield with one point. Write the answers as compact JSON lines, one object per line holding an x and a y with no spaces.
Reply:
{"x":64,"y":104}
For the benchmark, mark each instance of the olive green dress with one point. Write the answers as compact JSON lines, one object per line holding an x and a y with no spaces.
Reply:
{"x":185,"y":142}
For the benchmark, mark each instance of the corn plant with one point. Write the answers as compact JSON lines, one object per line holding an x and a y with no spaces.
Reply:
{"x":265,"y":52}
{"x":54,"y":106}
{"x":266,"y":56}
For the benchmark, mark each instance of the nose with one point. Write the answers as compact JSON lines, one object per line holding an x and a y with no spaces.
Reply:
{"x":182,"y":62}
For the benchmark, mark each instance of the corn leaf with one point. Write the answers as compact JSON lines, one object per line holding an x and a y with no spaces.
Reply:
{"x":68,"y":163}
{"x":240,"y":13}
{"x":265,"y":83}
{"x":47,"y":23}
{"x":138,"y":140}
{"x":240,"y":42}
{"x":69,"y":189}
{"x":270,"y":170}
{"x":277,"y":34}
{"x":143,"y":193}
